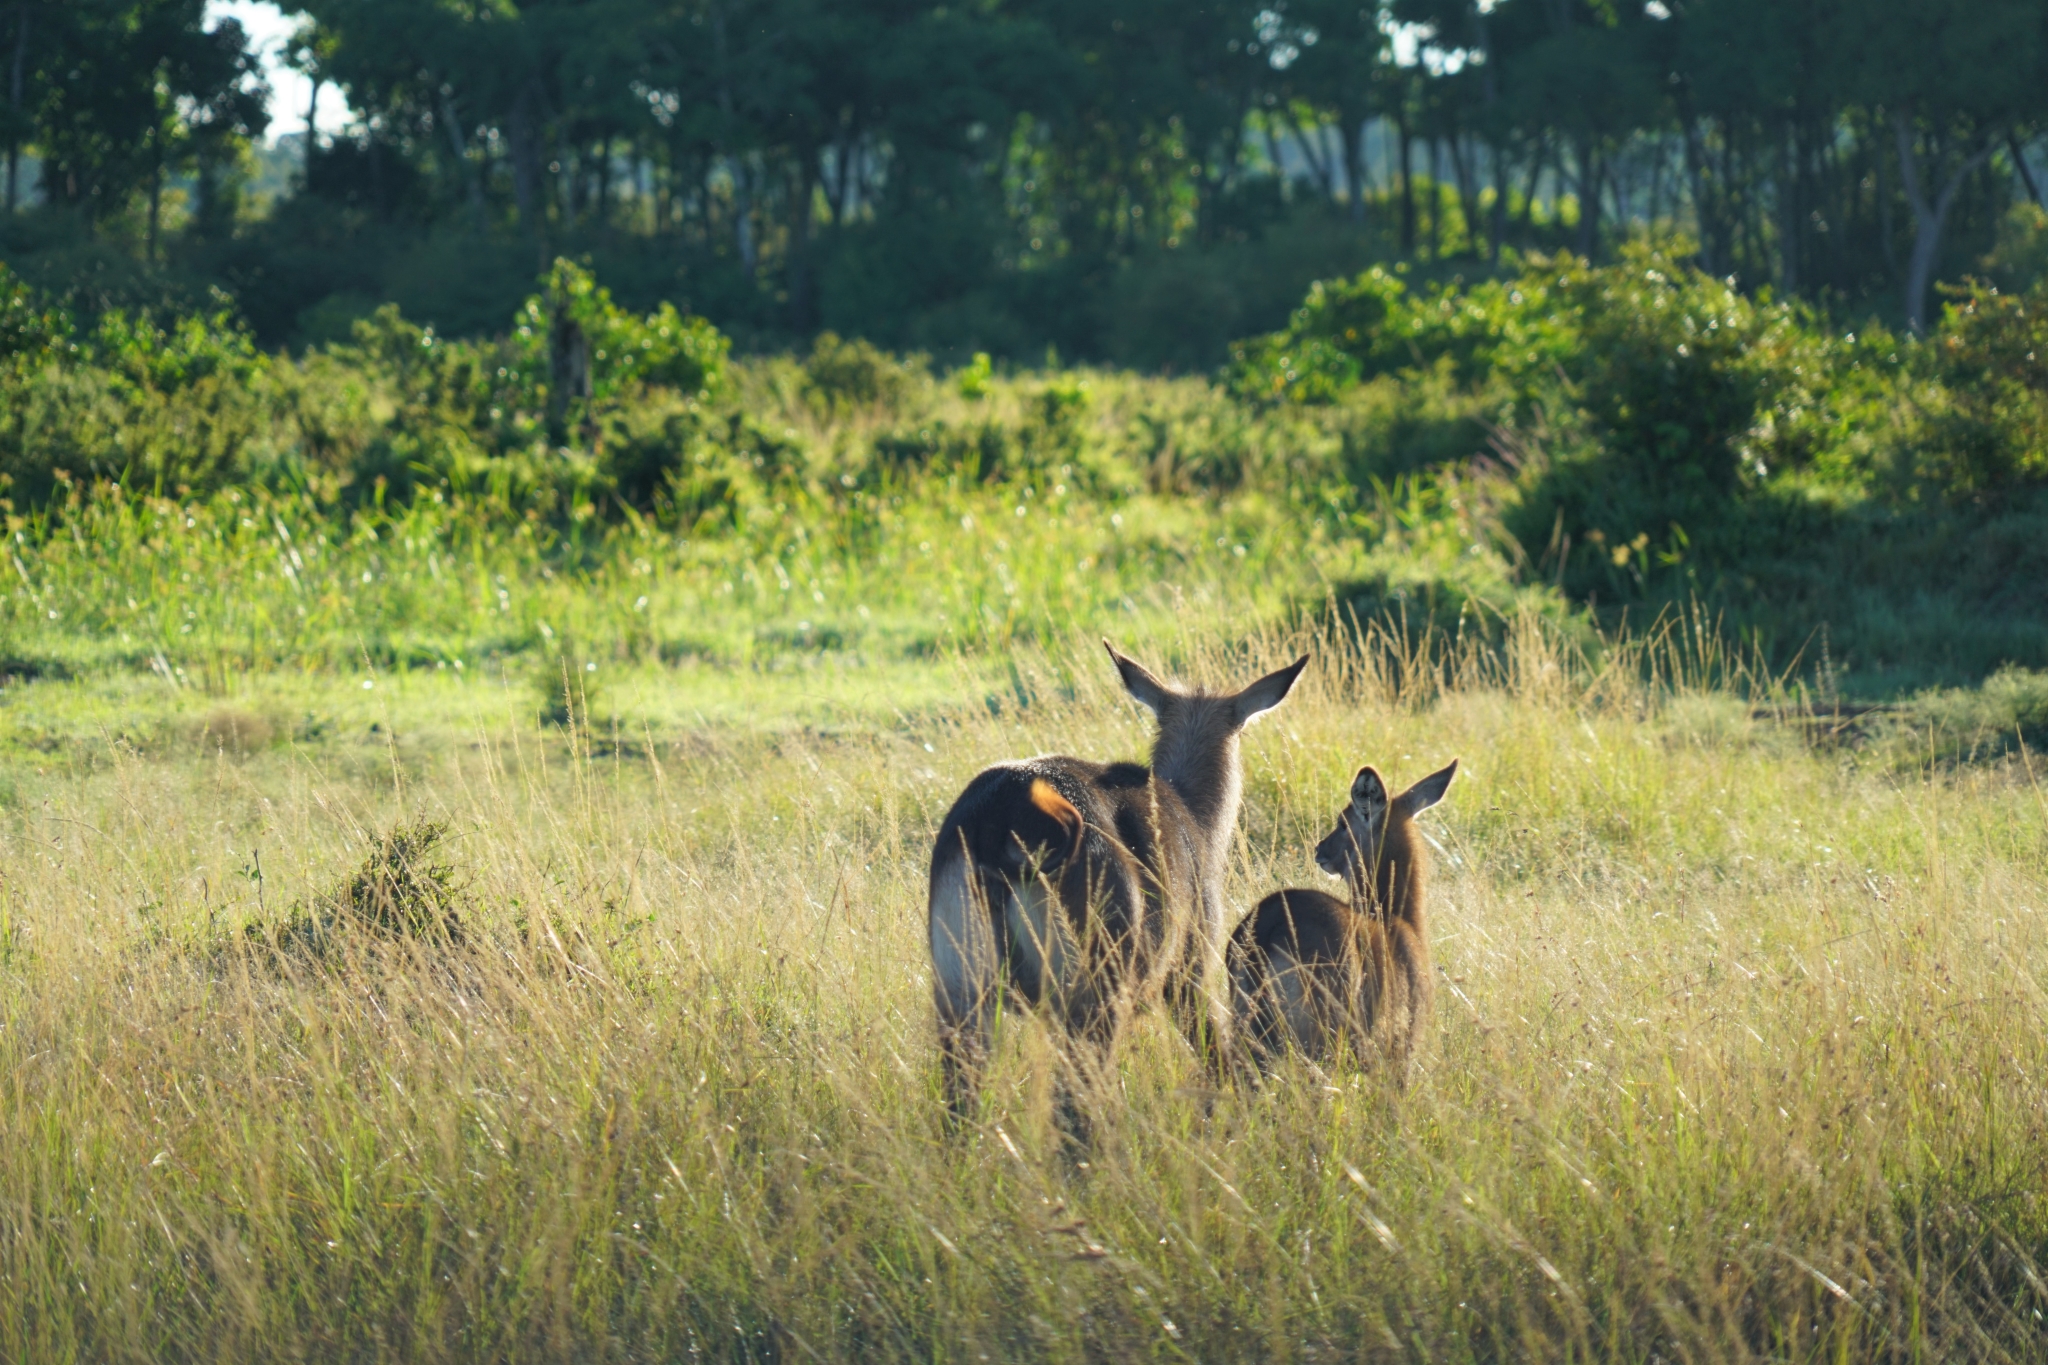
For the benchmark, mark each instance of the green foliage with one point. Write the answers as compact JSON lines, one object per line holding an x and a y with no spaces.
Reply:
{"x":404,"y":889}
{"x":1967,"y":724}
{"x":1623,"y":437}
{"x":1673,"y":366}
{"x":30,"y":328}
{"x":1129,"y":182}
{"x":2019,"y":257}
{"x":660,"y":350}
{"x":844,"y":376}
{"x":1656,"y":437}
{"x":972,"y":380}
{"x":162,"y":405}
{"x":1993,"y":359}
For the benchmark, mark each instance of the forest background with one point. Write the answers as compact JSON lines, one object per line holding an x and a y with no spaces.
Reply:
{"x":1131,"y":182}
{"x":1725,"y":305}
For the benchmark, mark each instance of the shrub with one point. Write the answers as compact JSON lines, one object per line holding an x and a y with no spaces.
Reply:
{"x":169,"y":406}
{"x":1993,"y":358}
{"x":30,"y":329}
{"x":842,"y":376}
{"x":573,"y":312}
{"x":402,"y":889}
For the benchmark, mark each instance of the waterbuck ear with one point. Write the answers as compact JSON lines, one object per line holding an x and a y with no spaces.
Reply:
{"x":1267,"y":693}
{"x":1369,"y":790}
{"x":1429,"y":790}
{"x":1147,"y":690}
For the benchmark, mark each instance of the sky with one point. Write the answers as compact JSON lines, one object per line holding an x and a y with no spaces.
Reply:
{"x":269,"y":29}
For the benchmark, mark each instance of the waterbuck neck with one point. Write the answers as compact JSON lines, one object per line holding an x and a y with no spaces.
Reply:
{"x":1196,"y":754}
{"x":1389,"y":881}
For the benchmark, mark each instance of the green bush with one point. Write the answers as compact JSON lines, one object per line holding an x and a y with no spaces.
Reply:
{"x":1993,"y":360}
{"x":663,"y":349}
{"x":30,"y":329}
{"x":165,"y":406}
{"x":847,"y":376}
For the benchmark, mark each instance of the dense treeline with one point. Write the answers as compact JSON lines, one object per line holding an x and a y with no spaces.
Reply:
{"x":1124,"y":179}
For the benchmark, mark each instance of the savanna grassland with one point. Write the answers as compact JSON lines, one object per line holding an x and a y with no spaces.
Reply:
{"x":1739,"y":1054}
{"x":462,"y":852}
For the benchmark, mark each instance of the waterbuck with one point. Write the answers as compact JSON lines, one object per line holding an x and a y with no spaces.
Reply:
{"x":1094,"y":888}
{"x":1309,"y":971}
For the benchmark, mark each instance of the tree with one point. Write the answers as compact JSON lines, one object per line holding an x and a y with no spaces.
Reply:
{"x":134,"y":90}
{"x":1338,"y":63}
{"x":1953,"y":78}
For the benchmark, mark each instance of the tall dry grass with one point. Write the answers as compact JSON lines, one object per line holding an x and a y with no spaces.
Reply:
{"x":1740,"y":1051}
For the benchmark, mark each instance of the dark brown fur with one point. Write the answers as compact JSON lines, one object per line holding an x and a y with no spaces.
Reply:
{"x":1315,"y":973}
{"x":1093,"y":888}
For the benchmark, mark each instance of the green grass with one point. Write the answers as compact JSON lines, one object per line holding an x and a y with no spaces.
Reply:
{"x":1739,"y":1050}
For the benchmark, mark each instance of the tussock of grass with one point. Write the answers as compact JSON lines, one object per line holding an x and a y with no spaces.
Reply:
{"x":232,"y":730}
{"x":2009,"y":711}
{"x":403,"y":891}
{"x":1740,"y":1049}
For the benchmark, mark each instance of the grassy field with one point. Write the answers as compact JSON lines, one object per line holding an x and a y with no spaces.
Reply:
{"x":1741,"y":1053}
{"x":462,"y":895}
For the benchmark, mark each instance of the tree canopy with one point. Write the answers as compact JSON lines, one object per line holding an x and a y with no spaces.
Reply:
{"x":1004,"y":174}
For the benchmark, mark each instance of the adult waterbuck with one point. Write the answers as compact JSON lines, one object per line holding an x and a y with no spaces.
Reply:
{"x":1310,"y":971}
{"x":1094,"y":888}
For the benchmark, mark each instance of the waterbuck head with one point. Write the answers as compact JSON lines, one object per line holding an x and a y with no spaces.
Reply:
{"x":1195,"y":749}
{"x":1354,"y":849}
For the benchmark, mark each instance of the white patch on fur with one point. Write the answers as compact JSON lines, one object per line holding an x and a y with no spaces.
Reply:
{"x":1295,"y":991}
{"x":1038,"y":935}
{"x":963,"y":944}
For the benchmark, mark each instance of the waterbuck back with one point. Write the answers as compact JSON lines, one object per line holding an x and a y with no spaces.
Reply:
{"x":1093,"y":888}
{"x":1315,"y":973}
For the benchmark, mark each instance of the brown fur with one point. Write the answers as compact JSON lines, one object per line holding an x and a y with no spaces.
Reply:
{"x":1315,"y":973}
{"x":1094,"y":888}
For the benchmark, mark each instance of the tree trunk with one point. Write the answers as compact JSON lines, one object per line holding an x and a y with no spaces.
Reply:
{"x":463,"y":170}
{"x":1352,"y":132}
{"x":1657,"y":169}
{"x":568,"y":369}
{"x":743,"y":212}
{"x":312,"y":124}
{"x":1489,"y":85}
{"x":1273,"y":153}
{"x":836,"y":183}
{"x":523,"y":133}
{"x":1407,"y":159}
{"x":2012,"y":143}
{"x":1468,"y":191}
{"x":743,"y":207}
{"x":1500,"y":202}
{"x":15,"y":84}
{"x":1589,"y":198}
{"x":802,"y":312}
{"x":1436,"y":197}
{"x":1313,"y":153}
{"x":1536,"y":160}
{"x":1792,"y":229}
{"x":156,"y":199}
{"x":1929,"y":217}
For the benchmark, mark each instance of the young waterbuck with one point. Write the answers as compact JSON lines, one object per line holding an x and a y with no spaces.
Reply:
{"x":1094,"y":888}
{"x":1309,"y":970}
